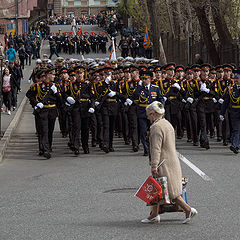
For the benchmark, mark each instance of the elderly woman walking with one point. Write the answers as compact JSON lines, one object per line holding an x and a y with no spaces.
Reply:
{"x":164,"y":161}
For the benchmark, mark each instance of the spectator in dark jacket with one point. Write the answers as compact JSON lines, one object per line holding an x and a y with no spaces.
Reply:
{"x":17,"y":74}
{"x":28,"y":50}
{"x":22,"y":55}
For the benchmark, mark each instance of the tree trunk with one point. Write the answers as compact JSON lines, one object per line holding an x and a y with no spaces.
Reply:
{"x":125,"y":15}
{"x":151,"y":4}
{"x":220,"y":23}
{"x":206,"y":32}
{"x":177,"y":18}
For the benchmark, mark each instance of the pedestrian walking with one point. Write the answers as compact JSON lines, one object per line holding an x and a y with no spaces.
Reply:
{"x":8,"y":82}
{"x":11,"y":53}
{"x":22,"y":55}
{"x":164,"y":161}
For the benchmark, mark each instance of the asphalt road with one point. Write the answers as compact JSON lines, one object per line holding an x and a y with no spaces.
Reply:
{"x":92,"y":196}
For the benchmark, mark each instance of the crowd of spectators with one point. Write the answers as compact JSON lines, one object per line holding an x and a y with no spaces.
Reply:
{"x":18,"y":51}
{"x":67,"y":20}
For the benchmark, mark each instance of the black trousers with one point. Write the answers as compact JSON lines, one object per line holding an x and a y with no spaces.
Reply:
{"x":79,"y":127}
{"x":93,"y":127}
{"x":38,"y":130}
{"x":191,"y":124}
{"x":144,"y":125}
{"x":125,"y":126}
{"x":133,"y":125}
{"x":108,"y":129}
{"x":63,"y":121}
{"x":202,"y":127}
{"x":210,"y":123}
{"x":29,"y":59}
{"x":7,"y":99}
{"x":22,"y":61}
{"x":47,"y":118}
{"x":99,"y":128}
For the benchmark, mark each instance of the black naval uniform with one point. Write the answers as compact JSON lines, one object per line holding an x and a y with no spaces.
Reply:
{"x":232,"y":101}
{"x":42,"y":93}
{"x":223,"y":127}
{"x":83,"y":95}
{"x":108,"y":106}
{"x":131,"y":111}
{"x":191,"y":94}
{"x":144,"y":97}
{"x":205,"y":109}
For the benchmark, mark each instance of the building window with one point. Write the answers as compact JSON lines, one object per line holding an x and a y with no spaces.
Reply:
{"x":103,"y":2}
{"x":2,"y":28}
{"x":71,"y":3}
{"x":84,"y":3}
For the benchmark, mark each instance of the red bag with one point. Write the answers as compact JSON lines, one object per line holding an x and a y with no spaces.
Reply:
{"x":149,"y":190}
{"x":6,"y":89}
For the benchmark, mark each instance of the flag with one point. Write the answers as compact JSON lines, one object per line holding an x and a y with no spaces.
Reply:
{"x":146,"y":42}
{"x":163,"y":59}
{"x":113,"y":52}
{"x":149,"y":190}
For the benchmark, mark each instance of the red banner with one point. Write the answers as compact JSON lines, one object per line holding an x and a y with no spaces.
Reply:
{"x":149,"y":190}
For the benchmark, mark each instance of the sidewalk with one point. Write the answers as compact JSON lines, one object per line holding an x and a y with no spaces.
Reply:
{"x":7,"y":119}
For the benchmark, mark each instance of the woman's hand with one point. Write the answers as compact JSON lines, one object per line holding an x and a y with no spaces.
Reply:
{"x":154,"y":170}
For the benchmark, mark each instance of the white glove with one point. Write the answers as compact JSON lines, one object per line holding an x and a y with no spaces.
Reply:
{"x":125,"y":103}
{"x":70,"y":100}
{"x":140,"y":83}
{"x":203,"y":86}
{"x":67,"y":104}
{"x":108,"y":79}
{"x":221,"y":101}
{"x":54,"y":89}
{"x":189,"y":99}
{"x":39,"y":105}
{"x":29,"y":80}
{"x":165,"y":99}
{"x":129,"y":101}
{"x":214,"y":100}
{"x":176,"y":85}
{"x":97,"y":103}
{"x":91,"y":110}
{"x":221,"y":117}
{"x":111,"y":93}
{"x":184,"y":101}
{"x":206,"y":90}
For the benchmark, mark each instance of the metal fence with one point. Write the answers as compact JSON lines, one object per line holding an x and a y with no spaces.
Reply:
{"x":182,"y":51}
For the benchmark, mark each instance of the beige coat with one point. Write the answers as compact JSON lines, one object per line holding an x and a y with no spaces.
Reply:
{"x":162,"y":147}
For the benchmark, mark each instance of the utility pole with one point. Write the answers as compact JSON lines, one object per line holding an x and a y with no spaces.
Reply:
{"x":16,"y":33}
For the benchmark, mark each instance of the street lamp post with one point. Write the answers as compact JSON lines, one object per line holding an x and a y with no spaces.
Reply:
{"x":16,"y":17}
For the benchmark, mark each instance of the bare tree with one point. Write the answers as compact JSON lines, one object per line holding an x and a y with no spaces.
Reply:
{"x":220,"y":23}
{"x":199,"y":7}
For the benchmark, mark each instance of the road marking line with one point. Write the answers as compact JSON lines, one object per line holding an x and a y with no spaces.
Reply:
{"x":194,"y":168}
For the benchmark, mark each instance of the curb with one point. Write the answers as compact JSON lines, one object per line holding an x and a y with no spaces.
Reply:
{"x":13,"y":125}
{"x":9,"y":131}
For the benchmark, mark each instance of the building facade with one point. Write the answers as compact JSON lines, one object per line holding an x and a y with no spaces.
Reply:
{"x":14,"y":15}
{"x":87,"y":7}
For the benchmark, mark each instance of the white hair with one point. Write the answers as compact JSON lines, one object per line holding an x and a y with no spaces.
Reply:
{"x":156,"y":107}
